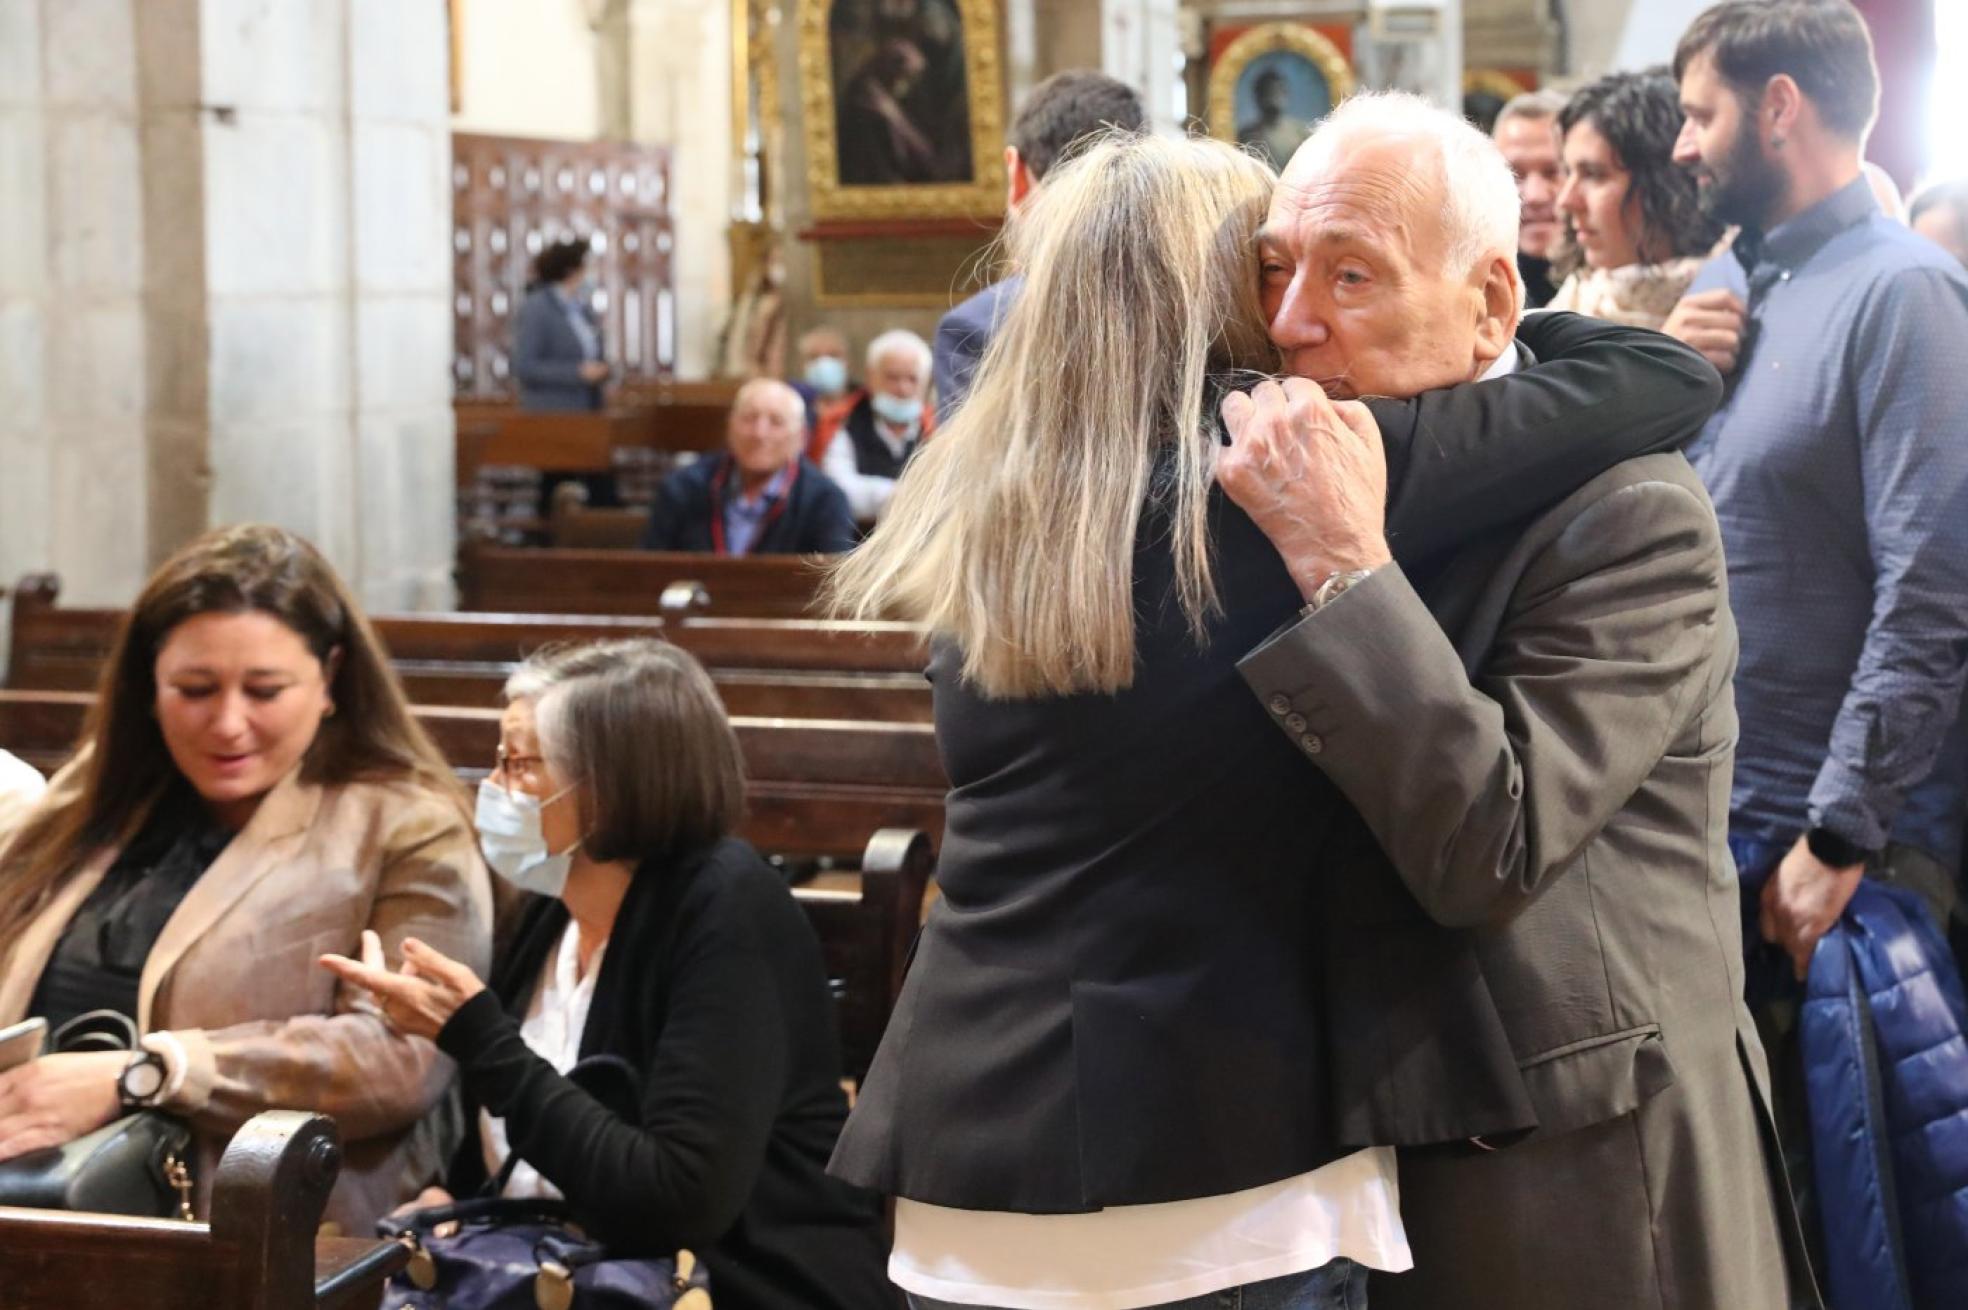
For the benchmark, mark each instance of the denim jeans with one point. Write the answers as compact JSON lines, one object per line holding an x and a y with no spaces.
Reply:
{"x":1341,"y":1285}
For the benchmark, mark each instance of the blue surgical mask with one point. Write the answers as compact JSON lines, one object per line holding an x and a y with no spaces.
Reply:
{"x":898,"y":410}
{"x":514,"y":845}
{"x":827,"y":374}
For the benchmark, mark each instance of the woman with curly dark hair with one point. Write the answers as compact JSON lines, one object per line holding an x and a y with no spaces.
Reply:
{"x":1634,"y":222}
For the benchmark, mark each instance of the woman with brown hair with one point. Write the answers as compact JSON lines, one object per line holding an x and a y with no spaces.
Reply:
{"x":251,"y":790}
{"x":666,"y":951}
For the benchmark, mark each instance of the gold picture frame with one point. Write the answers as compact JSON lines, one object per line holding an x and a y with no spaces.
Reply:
{"x":1291,"y":39}
{"x":982,"y":196}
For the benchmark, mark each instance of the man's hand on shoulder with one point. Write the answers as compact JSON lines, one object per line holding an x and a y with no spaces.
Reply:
{"x":1311,"y":474}
{"x":1711,"y":322}
{"x":1803,"y":899}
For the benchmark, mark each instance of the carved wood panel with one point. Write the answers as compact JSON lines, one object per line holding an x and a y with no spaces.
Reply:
{"x":511,"y":197}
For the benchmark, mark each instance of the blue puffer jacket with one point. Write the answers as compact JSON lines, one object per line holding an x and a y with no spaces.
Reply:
{"x":1886,"y":1069}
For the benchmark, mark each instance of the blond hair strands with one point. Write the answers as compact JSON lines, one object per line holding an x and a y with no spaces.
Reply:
{"x":1013,"y":531}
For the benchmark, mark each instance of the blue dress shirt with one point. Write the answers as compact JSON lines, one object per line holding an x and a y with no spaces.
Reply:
{"x":1839,"y":468}
{"x":745,"y":515}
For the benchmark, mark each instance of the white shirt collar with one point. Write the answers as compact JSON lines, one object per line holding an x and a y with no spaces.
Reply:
{"x":1503,"y":365}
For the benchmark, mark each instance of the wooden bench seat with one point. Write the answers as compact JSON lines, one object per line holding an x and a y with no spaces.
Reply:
{"x":259,"y":1252}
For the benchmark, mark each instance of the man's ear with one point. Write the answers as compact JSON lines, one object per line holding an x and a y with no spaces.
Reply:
{"x":1018,"y":180}
{"x":1502,"y":307}
{"x":1783,"y":102}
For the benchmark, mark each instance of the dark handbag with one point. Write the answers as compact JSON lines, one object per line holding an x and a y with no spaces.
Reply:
{"x":501,"y":1253}
{"x":138,"y":1165}
{"x":518,"y":1254}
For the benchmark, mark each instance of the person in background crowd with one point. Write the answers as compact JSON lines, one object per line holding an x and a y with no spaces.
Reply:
{"x":1535,"y":729}
{"x":251,"y":791}
{"x":1527,"y":133}
{"x":758,"y":496}
{"x":865,"y":447}
{"x":1940,"y":213}
{"x":1059,"y":115}
{"x":648,"y":933}
{"x":1110,"y":1079}
{"x":1839,"y":470}
{"x":557,"y":348}
{"x":1634,"y":216}
{"x":823,"y":382}
{"x":21,"y":784}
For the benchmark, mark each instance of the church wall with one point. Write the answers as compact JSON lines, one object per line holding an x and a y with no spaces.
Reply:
{"x":529,"y":69}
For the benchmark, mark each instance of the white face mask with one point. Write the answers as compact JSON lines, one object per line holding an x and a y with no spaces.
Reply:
{"x":510,"y":835}
{"x":898,"y":410}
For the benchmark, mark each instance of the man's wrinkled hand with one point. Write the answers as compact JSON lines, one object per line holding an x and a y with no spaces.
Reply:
{"x":1802,"y":900}
{"x":1711,"y":322}
{"x":1310,"y":472}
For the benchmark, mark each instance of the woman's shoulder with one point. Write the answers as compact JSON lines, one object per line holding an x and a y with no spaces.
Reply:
{"x":726,"y":888}
{"x":401,"y":813}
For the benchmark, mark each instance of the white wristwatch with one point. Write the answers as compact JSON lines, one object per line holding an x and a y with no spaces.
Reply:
{"x":1334,"y":587}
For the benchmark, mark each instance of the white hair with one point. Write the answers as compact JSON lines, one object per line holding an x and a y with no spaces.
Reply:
{"x":1480,"y":205}
{"x":895,"y":341}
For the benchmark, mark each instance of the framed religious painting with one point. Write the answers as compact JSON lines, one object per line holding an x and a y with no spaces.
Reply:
{"x":903,"y":111}
{"x":1272,"y":83}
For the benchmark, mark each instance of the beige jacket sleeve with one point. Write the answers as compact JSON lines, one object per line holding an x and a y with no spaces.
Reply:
{"x":428,"y":883}
{"x":1483,"y":790}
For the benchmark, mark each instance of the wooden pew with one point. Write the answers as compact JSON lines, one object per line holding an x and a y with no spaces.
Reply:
{"x":768,"y":668}
{"x":529,"y":580}
{"x":858,"y":794}
{"x":259,"y":1252}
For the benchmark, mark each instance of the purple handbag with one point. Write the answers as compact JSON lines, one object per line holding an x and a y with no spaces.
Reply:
{"x":520,"y":1254}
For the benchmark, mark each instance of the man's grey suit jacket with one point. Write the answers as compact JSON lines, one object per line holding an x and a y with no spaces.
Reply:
{"x":1539,"y":734}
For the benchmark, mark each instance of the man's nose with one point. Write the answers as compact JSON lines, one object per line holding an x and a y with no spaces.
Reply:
{"x":1687,"y":150}
{"x":1536,"y":190}
{"x":1298,"y":324}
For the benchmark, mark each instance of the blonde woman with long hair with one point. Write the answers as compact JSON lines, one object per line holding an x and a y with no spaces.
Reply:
{"x":1106,"y":1082}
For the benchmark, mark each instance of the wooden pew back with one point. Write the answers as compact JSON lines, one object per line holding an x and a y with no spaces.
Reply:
{"x":530,"y":580}
{"x":768,"y":668}
{"x":259,"y":1252}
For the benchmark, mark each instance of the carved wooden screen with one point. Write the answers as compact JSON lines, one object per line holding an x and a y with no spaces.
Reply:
{"x":513,"y":195}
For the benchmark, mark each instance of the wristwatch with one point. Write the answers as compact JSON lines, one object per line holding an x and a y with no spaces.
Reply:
{"x":1334,"y":587}
{"x":142,"y":1080}
{"x":1834,"y":850}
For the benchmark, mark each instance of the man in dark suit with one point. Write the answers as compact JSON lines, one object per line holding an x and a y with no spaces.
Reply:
{"x":1063,"y":111}
{"x":758,"y":496}
{"x":1535,"y":732}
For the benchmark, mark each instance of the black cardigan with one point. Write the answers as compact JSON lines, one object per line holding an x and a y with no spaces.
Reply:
{"x":713,"y":990}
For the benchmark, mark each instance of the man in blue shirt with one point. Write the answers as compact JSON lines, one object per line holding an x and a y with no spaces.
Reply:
{"x":1839,"y":468}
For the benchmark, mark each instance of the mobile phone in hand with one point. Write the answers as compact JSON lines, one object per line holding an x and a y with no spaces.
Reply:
{"x":22,"y":1042}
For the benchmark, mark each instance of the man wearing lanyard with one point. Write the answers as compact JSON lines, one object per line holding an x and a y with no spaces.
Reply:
{"x":1839,"y":469}
{"x":759,"y":496}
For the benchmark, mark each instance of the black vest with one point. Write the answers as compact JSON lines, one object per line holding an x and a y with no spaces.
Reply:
{"x":872,"y":457}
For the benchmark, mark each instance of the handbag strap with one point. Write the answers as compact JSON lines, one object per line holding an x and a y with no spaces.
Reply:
{"x":97,"y":1030}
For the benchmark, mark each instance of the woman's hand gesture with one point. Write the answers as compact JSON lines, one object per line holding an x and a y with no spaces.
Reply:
{"x":419,"y":999}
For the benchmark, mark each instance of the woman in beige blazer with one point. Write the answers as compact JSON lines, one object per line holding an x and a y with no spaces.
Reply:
{"x":251,"y":791}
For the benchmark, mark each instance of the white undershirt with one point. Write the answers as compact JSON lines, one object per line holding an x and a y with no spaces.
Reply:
{"x":867,"y":494}
{"x":1129,"y":1256}
{"x":555,"y":1019}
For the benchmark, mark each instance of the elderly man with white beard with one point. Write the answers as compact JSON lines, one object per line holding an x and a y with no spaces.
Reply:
{"x":1536,"y":986}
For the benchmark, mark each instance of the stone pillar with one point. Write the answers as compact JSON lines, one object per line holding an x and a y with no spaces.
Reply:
{"x":225,"y":292}
{"x":680,"y":95}
{"x":72,"y":269}
{"x":1139,"y":44}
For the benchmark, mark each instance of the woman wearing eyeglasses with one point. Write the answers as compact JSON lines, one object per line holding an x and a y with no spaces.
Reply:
{"x":651,"y":935}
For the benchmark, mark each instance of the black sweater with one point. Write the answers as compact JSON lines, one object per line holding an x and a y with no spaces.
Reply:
{"x":713,"y":990}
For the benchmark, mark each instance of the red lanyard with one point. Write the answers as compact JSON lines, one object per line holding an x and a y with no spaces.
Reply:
{"x":771,"y":515}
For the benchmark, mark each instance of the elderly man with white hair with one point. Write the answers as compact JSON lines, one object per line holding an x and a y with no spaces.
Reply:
{"x":760,"y":495}
{"x":867,"y":445}
{"x":1534,"y":970}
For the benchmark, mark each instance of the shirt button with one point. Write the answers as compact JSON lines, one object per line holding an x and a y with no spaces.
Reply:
{"x":1296,"y":722}
{"x":1280,"y":704}
{"x":1311,"y":743}
{"x":1784,"y":276}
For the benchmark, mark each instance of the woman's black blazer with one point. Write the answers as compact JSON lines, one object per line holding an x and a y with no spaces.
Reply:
{"x":712,"y":989}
